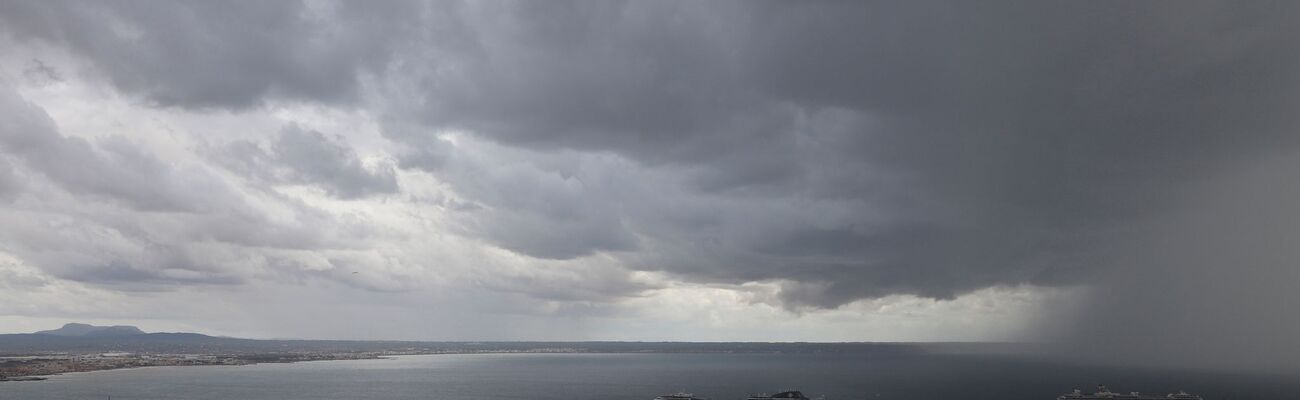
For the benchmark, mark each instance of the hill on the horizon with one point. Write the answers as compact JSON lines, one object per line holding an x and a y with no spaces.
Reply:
{"x":82,"y":338}
{"x":85,"y":330}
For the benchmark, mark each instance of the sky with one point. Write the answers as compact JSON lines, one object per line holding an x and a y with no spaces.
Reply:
{"x":1081,"y":173}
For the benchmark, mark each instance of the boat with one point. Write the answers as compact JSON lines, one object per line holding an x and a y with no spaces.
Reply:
{"x":679,"y":396}
{"x":789,"y":394}
{"x":1103,"y":393}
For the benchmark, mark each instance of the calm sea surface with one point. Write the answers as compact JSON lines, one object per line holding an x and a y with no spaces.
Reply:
{"x":642,"y":376}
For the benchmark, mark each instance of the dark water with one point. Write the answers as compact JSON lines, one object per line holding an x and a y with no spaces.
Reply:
{"x":642,"y":376}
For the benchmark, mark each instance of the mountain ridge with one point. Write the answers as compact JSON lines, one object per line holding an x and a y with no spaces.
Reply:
{"x":74,"y":329}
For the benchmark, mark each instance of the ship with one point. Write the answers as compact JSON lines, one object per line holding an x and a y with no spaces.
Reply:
{"x":790,"y":394}
{"x":679,"y":396}
{"x":1103,"y":393}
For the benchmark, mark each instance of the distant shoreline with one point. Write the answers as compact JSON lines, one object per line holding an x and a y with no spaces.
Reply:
{"x":40,"y":367}
{"x":43,"y":355}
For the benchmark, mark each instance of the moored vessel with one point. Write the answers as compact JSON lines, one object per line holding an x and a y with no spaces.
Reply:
{"x":679,"y":396}
{"x":1103,"y":393}
{"x":789,"y":394}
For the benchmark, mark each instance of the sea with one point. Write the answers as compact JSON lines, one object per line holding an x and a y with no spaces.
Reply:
{"x":859,"y":376}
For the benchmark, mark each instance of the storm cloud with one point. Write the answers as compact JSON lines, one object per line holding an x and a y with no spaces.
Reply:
{"x":967,"y":145}
{"x":199,"y":54}
{"x":591,"y":154}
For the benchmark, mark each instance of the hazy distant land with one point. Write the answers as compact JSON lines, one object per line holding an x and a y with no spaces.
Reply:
{"x":80,"y":347}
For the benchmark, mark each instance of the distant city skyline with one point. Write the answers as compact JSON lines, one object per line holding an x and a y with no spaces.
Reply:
{"x":658,"y":170}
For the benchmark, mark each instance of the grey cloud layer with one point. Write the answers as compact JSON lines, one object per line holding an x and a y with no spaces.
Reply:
{"x":204,"y":54}
{"x":115,"y":169}
{"x":133,"y":220}
{"x":303,"y":156}
{"x":1003,"y":142}
{"x":846,"y":150}
{"x":1017,"y":131}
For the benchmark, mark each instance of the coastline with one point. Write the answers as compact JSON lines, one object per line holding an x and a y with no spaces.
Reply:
{"x":253,"y":359}
{"x":73,"y":365}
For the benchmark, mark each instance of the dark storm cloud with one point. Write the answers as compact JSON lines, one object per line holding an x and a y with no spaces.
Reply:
{"x":1033,"y":131}
{"x":629,"y":81}
{"x":1214,"y":277}
{"x":304,"y":156}
{"x":846,"y":150}
{"x":1002,"y":141}
{"x":229,"y":54}
{"x":1016,"y":136}
{"x":550,"y":206}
